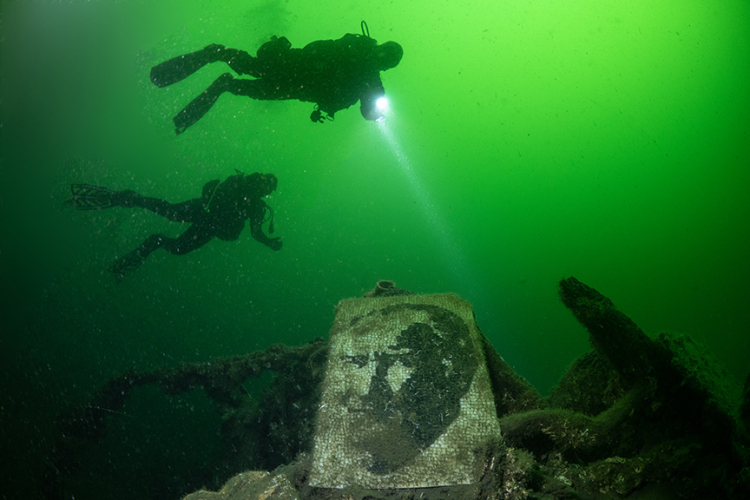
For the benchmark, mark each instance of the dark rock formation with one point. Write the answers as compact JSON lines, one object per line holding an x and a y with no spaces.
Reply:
{"x":638,"y":417}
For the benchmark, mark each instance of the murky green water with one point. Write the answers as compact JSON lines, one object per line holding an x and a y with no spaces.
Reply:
{"x":526,"y":142}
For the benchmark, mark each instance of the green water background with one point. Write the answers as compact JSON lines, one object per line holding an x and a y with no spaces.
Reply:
{"x":526,"y":142}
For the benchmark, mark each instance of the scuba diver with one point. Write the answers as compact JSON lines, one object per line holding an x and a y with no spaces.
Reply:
{"x":221,"y":212}
{"x":333,"y":74}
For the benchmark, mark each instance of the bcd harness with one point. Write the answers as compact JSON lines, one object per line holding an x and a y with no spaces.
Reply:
{"x":268,"y":213}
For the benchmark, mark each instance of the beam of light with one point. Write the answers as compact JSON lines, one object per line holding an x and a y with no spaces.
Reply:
{"x":451,"y":251}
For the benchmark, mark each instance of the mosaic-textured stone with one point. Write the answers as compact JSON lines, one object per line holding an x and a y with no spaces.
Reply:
{"x":407,"y":399}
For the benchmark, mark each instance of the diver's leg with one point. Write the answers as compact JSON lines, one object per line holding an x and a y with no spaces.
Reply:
{"x":187,"y":211}
{"x":132,"y":260}
{"x":240,"y":61}
{"x":180,"y":67}
{"x":195,"y":237}
{"x":256,"y":89}
{"x":199,"y":106}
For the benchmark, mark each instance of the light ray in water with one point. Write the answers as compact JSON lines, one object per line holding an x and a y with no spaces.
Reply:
{"x":452,"y":254}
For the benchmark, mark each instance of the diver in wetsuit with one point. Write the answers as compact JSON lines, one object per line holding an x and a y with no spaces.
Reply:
{"x":334,"y":74}
{"x":221,"y":212}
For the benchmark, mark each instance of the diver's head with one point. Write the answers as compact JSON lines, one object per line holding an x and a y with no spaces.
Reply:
{"x":263,"y":184}
{"x":268,"y":183}
{"x":387,"y":55}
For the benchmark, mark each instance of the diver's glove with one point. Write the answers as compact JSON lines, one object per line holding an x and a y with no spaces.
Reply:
{"x":275,"y":244}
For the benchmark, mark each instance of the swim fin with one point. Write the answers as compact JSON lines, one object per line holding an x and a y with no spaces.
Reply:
{"x":199,"y":106}
{"x":180,"y":67}
{"x":90,"y":197}
{"x":127,"y":264}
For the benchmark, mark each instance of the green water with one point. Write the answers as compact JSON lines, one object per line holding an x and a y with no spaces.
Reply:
{"x":526,"y":142}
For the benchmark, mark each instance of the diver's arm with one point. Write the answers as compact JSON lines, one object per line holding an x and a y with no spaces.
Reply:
{"x":368,"y":99}
{"x":257,"y":231}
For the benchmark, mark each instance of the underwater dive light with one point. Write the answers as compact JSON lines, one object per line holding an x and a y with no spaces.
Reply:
{"x":382,"y":106}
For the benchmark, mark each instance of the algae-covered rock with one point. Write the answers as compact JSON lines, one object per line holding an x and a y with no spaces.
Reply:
{"x":639,"y":417}
{"x":612,"y":333}
{"x":252,"y":485}
{"x":678,"y":420}
{"x":590,"y":385}
{"x":513,"y":393}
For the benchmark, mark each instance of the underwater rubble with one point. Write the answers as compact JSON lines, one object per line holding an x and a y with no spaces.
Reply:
{"x":637,"y":417}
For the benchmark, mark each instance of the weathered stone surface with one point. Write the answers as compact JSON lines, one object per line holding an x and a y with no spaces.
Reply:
{"x":406,"y":398}
{"x":252,"y":485}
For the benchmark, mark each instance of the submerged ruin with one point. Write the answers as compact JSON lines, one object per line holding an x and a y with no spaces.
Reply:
{"x":636,"y":417}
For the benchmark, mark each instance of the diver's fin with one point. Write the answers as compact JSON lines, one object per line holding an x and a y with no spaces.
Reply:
{"x":198,"y":107}
{"x":89,"y":197}
{"x":127,"y":264}
{"x":180,"y":67}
